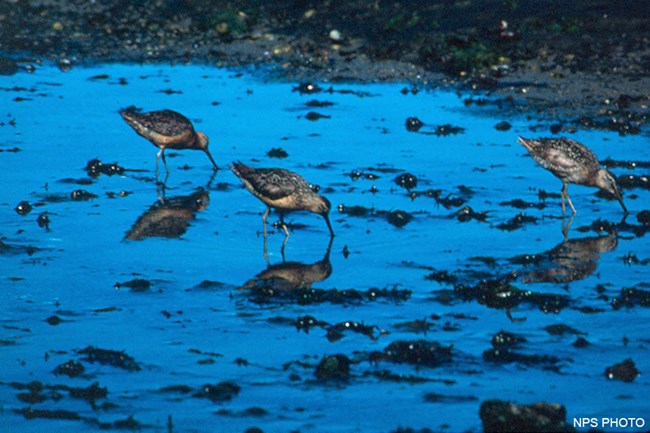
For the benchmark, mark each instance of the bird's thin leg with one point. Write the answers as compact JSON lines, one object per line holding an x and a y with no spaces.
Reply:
{"x":566,"y":193}
{"x":162,"y":153}
{"x":266,"y":214}
{"x":562,"y":194}
{"x":284,"y":244}
{"x":566,"y":227}
{"x":266,"y":252}
{"x":284,"y":226}
{"x":158,"y":156}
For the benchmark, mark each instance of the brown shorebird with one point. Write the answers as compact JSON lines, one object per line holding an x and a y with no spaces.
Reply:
{"x":283,"y":190}
{"x":572,"y":162}
{"x":167,"y":129}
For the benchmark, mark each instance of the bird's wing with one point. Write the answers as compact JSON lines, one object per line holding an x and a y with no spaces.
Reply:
{"x":272,"y":183}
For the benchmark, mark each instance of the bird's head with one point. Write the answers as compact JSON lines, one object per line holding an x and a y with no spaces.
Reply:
{"x":202,"y":141}
{"x":606,"y":181}
{"x":320,"y":205}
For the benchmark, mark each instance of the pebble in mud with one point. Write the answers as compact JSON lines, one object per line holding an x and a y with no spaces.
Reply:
{"x":407,"y":181}
{"x":333,"y":367}
{"x":413,"y":124}
{"x":625,"y":371}
{"x":23,"y":208}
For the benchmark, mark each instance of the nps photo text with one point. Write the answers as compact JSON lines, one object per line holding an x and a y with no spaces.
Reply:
{"x":613,"y":423}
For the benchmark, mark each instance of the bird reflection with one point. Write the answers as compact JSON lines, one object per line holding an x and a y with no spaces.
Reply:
{"x":571,"y":260}
{"x":169,"y":217}
{"x":292,"y":275}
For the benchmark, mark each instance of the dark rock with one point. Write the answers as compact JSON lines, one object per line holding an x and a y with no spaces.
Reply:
{"x":625,"y":371}
{"x":82,"y":195}
{"x":413,"y":124}
{"x":313,"y":116}
{"x":70,"y":368}
{"x":23,"y":208}
{"x":222,"y":391}
{"x":580,"y":343}
{"x":333,"y":367}
{"x":467,"y":214}
{"x":507,"y":356}
{"x":500,"y":417}
{"x":54,"y":320}
{"x":137,"y":285}
{"x":419,"y":352}
{"x":399,"y":218}
{"x":643,"y":217}
{"x":561,"y":329}
{"x":630,"y":297}
{"x":308,"y":88}
{"x":445,"y":130}
{"x":43,"y":221}
{"x":407,"y":181}
{"x":115,"y":358}
{"x":507,"y":339}
{"x":30,"y":413}
{"x":503,"y":126}
{"x":91,"y":394}
{"x":277,"y":152}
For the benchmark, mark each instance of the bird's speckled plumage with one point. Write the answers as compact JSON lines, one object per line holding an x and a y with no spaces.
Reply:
{"x":167,"y":129}
{"x":572,"y":162}
{"x":283,"y":190}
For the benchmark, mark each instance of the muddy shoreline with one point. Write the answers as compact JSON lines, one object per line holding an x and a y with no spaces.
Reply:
{"x":583,"y":65}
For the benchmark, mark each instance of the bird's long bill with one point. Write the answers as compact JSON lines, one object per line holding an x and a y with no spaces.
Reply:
{"x":619,"y":197}
{"x":207,"y":152}
{"x":329,"y":226}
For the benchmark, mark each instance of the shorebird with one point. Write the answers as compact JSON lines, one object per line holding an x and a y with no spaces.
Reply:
{"x":167,"y":129}
{"x":572,"y":162}
{"x":283,"y":190}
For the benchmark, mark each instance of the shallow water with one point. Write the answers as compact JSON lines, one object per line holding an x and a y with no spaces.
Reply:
{"x":193,"y":327}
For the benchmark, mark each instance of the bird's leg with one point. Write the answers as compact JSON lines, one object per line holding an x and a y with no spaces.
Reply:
{"x":266,"y":214}
{"x":158,"y":155}
{"x":284,"y":226}
{"x":566,"y":193}
{"x":566,"y":227}
{"x":266,"y":252}
{"x":284,"y":244}
{"x":562,"y":198}
{"x":162,"y":153}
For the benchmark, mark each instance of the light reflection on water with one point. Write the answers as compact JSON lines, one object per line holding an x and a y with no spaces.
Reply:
{"x":70,"y":119}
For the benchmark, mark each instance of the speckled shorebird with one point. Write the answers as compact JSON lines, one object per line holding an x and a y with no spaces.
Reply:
{"x":572,"y":162}
{"x":283,"y":190}
{"x":167,"y":129}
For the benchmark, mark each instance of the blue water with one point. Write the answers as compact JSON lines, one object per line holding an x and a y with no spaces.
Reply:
{"x":171,"y":329}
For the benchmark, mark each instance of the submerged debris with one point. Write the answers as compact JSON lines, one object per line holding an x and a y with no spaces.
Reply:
{"x":467,"y":214}
{"x":399,"y":218}
{"x":507,"y":339}
{"x":277,"y":152}
{"x":447,"y":129}
{"x":267,"y":293}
